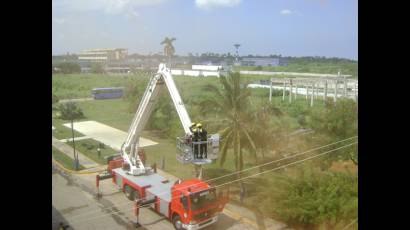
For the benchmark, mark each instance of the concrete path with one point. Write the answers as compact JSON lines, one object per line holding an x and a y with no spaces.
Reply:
{"x":76,"y":100}
{"x":106,"y":134}
{"x":76,"y":138}
{"x":68,"y":150}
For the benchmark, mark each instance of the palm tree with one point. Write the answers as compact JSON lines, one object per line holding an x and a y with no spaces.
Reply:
{"x":169,"y":49}
{"x":233,"y":102}
{"x":264,"y":134}
{"x":70,"y":111}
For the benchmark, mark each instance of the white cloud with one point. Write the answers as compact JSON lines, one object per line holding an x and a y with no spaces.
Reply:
{"x":285,"y":12}
{"x":208,"y":4}
{"x":107,"y":6}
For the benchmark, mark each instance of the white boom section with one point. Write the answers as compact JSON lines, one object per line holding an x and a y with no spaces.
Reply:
{"x":129,"y":149}
{"x":176,"y":98}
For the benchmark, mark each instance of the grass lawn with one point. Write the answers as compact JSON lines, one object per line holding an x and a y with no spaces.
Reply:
{"x":89,"y":148}
{"x":69,"y":86}
{"x":62,"y":158}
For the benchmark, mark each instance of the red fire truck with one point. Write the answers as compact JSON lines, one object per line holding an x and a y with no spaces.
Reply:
{"x":189,"y":204}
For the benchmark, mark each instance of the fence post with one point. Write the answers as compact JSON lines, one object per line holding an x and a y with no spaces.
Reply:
{"x":311,"y":96}
{"x":290,"y":90}
{"x":270,"y":91}
{"x":355,"y":91}
{"x":284,"y":87}
{"x":296,"y":93}
{"x":345,"y":87}
{"x":335,"y":93}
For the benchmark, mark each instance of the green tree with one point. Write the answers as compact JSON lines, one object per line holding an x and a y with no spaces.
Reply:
{"x":315,"y":198}
{"x":233,"y":102}
{"x":337,"y":121}
{"x":265,"y":132}
{"x":70,"y":111}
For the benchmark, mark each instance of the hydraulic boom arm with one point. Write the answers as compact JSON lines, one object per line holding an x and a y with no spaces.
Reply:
{"x":129,"y":150}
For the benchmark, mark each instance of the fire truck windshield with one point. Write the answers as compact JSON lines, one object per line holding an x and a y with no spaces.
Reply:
{"x":202,"y":199}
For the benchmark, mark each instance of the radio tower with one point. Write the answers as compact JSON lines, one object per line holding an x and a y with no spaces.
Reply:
{"x":237,"y":53}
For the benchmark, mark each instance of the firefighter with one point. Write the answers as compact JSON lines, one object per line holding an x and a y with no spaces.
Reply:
{"x":203,"y":137}
{"x":195,"y":138}
{"x":193,"y":125}
{"x":188,"y":138}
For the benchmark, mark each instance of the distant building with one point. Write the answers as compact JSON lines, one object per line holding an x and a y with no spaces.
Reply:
{"x":262,"y":61}
{"x":103,"y":55}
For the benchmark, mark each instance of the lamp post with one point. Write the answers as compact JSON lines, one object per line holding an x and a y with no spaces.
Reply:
{"x":75,"y":155}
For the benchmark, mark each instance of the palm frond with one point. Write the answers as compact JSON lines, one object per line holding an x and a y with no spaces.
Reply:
{"x":224,"y":148}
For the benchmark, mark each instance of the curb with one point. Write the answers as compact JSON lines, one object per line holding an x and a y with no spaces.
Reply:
{"x":72,"y":171}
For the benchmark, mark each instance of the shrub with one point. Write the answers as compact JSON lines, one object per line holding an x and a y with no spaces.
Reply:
{"x":54,"y":99}
{"x":314,"y":198}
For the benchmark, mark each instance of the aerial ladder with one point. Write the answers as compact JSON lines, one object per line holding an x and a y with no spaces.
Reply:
{"x":185,"y":145}
{"x":144,"y":186}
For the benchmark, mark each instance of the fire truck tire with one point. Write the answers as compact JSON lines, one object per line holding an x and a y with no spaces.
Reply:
{"x":129,"y":192}
{"x":177,"y":222}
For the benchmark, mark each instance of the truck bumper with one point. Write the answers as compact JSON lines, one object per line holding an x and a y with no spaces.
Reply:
{"x":200,"y":225}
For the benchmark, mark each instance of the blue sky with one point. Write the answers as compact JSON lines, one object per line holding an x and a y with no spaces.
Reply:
{"x":287,"y":27}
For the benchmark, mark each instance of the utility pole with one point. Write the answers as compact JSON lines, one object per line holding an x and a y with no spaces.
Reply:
{"x":75,"y":155}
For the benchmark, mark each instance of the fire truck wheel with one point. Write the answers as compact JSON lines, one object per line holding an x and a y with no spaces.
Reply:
{"x":129,"y":192}
{"x":177,"y":222}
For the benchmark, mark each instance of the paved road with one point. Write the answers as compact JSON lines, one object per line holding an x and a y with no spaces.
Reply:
{"x":106,"y":134}
{"x":74,"y":203}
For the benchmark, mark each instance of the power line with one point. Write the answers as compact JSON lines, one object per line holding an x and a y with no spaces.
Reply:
{"x":354,"y":221}
{"x":270,"y":170}
{"x":233,"y":173}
